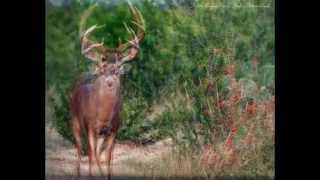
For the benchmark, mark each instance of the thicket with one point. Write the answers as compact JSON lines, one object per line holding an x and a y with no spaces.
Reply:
{"x":204,"y":75}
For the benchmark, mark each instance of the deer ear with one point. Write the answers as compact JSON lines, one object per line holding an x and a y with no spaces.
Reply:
{"x":124,"y":69}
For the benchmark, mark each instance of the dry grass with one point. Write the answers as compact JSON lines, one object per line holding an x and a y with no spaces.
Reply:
{"x":248,"y":149}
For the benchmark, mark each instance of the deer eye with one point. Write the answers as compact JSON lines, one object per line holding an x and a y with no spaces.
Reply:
{"x":112,"y":71}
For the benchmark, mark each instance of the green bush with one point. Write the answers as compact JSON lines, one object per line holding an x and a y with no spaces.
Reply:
{"x":175,"y":62}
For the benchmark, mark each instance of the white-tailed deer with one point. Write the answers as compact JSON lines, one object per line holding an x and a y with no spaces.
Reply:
{"x":95,"y":105}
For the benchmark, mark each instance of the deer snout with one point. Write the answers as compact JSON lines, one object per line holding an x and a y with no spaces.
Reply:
{"x":109,"y":82}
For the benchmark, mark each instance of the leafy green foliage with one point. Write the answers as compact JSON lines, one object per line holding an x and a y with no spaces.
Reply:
{"x":177,"y":86}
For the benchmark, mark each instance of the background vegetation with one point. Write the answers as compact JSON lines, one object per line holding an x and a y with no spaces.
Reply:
{"x":204,"y":77}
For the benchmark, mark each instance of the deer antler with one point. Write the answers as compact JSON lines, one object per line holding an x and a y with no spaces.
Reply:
{"x":127,"y":51}
{"x":90,"y":49}
{"x":139,"y":22}
{"x":133,"y":44}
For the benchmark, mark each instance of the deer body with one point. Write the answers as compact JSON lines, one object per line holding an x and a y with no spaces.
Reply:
{"x":95,"y":106}
{"x":95,"y":110}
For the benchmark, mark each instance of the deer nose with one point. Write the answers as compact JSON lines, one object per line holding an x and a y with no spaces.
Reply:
{"x":109,"y":83}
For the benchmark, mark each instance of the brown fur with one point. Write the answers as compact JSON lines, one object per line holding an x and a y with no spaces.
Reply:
{"x":95,"y":110}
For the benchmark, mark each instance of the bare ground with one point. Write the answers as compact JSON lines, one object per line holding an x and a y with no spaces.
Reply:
{"x":127,"y":157}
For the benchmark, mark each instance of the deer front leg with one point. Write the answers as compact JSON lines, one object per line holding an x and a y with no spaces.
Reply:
{"x":109,"y":149}
{"x":77,"y":136}
{"x":91,"y":150}
{"x":98,"y":151}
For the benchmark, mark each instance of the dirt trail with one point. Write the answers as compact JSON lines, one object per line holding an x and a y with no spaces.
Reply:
{"x":61,"y":156}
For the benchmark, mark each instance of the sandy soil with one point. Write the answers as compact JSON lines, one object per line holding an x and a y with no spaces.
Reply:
{"x":61,"y":156}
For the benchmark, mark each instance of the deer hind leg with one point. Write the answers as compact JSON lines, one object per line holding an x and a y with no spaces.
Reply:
{"x":109,"y":149}
{"x":91,"y":150}
{"x":77,"y":136}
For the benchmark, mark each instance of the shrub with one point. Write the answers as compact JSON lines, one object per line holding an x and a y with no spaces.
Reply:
{"x":201,"y":71}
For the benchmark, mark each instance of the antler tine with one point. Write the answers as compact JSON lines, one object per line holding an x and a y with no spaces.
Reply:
{"x":139,"y":22}
{"x":90,"y":49}
{"x":133,"y":44}
{"x":127,"y":51}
